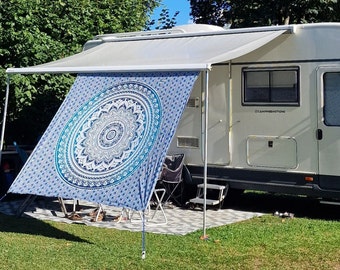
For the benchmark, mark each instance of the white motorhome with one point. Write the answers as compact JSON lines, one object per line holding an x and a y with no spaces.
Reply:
{"x":274,"y":116}
{"x":264,"y":112}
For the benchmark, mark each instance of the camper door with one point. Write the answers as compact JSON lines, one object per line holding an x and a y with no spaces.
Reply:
{"x":218,"y":122}
{"x":328,"y":133}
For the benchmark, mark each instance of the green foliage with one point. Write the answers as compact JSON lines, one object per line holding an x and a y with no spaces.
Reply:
{"x":245,"y":13}
{"x":213,"y":12}
{"x":164,"y":21}
{"x":38,"y":31}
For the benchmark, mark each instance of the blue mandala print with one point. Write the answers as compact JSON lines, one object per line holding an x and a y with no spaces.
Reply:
{"x":109,"y":137}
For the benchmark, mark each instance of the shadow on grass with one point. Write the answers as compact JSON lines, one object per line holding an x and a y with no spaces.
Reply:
{"x":24,"y":225}
{"x":303,"y":207}
{"x":34,"y":227}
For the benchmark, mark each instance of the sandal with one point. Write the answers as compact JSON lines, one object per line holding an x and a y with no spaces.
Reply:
{"x":94,"y":212}
{"x":74,"y":216}
{"x":100,"y":217}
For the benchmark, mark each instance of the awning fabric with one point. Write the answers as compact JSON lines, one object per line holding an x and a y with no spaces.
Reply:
{"x":107,"y":142}
{"x":184,"y":52}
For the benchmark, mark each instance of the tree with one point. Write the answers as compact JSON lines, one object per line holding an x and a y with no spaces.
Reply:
{"x":245,"y":13}
{"x":210,"y":12}
{"x":37,"y":31}
{"x":164,"y":21}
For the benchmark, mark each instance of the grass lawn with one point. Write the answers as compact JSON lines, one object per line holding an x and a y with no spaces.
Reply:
{"x":266,"y":242}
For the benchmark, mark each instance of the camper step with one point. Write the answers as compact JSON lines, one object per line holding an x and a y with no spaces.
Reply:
{"x":222,"y":192}
{"x":200,"y":177}
{"x":208,"y":201}
{"x":212,"y":186}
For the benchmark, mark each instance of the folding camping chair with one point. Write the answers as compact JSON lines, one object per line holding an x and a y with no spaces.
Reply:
{"x":151,"y":212}
{"x":171,"y":178}
{"x":30,"y":197}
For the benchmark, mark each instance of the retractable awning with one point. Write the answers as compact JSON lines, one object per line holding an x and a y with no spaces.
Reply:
{"x":167,"y":52}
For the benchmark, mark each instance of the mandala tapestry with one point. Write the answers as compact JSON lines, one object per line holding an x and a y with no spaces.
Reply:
{"x":107,"y":142}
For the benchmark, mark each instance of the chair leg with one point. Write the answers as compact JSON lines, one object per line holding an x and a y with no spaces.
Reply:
{"x":159,"y":195}
{"x":100,"y":211}
{"x":171,"y":192}
{"x":27,"y":202}
{"x":63,"y":207}
{"x":125,"y":215}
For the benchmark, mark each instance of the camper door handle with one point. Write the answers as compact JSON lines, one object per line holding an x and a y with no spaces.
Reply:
{"x":319,"y":134}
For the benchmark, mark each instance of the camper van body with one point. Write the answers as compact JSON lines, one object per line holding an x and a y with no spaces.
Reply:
{"x":273,"y":117}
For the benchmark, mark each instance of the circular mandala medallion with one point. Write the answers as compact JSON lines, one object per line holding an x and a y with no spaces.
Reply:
{"x":109,"y":137}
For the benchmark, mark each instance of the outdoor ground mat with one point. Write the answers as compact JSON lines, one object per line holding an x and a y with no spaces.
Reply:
{"x":177,"y":220}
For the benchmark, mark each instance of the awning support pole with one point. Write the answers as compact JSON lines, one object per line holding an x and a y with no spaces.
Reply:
{"x":4,"y":118}
{"x":206,"y":120}
{"x":143,"y":235}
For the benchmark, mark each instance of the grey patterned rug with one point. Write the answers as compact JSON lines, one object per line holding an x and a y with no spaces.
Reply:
{"x":175,"y":220}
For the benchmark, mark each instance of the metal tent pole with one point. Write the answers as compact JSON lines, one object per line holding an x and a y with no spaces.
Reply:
{"x":4,"y":118}
{"x":206,"y":117}
{"x":143,"y":235}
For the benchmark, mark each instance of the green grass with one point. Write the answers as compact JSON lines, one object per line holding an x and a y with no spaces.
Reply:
{"x":266,"y":242}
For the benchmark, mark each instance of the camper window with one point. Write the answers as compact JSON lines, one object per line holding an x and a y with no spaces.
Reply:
{"x":271,"y":86}
{"x":331,"y":98}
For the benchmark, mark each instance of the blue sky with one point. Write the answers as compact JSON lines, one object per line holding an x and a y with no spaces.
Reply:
{"x":183,"y":6}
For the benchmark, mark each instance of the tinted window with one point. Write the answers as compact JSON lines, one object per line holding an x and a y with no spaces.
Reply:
{"x":271,"y":86}
{"x":332,"y":98}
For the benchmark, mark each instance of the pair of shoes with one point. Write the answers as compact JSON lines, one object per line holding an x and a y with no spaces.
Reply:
{"x":120,"y":218}
{"x":168,"y":205}
{"x":101,"y":217}
{"x":94,"y":212}
{"x":284,"y":215}
{"x":74,"y":216}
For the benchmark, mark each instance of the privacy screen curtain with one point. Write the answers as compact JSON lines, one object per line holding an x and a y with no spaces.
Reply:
{"x":108,"y":140}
